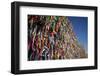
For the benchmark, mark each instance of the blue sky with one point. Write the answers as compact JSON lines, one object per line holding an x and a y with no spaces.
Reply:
{"x":80,"y":27}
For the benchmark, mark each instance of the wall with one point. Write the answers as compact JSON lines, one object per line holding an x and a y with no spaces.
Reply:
{"x":5,"y":39}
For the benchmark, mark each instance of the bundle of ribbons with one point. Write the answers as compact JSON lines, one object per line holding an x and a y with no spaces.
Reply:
{"x":52,"y":37}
